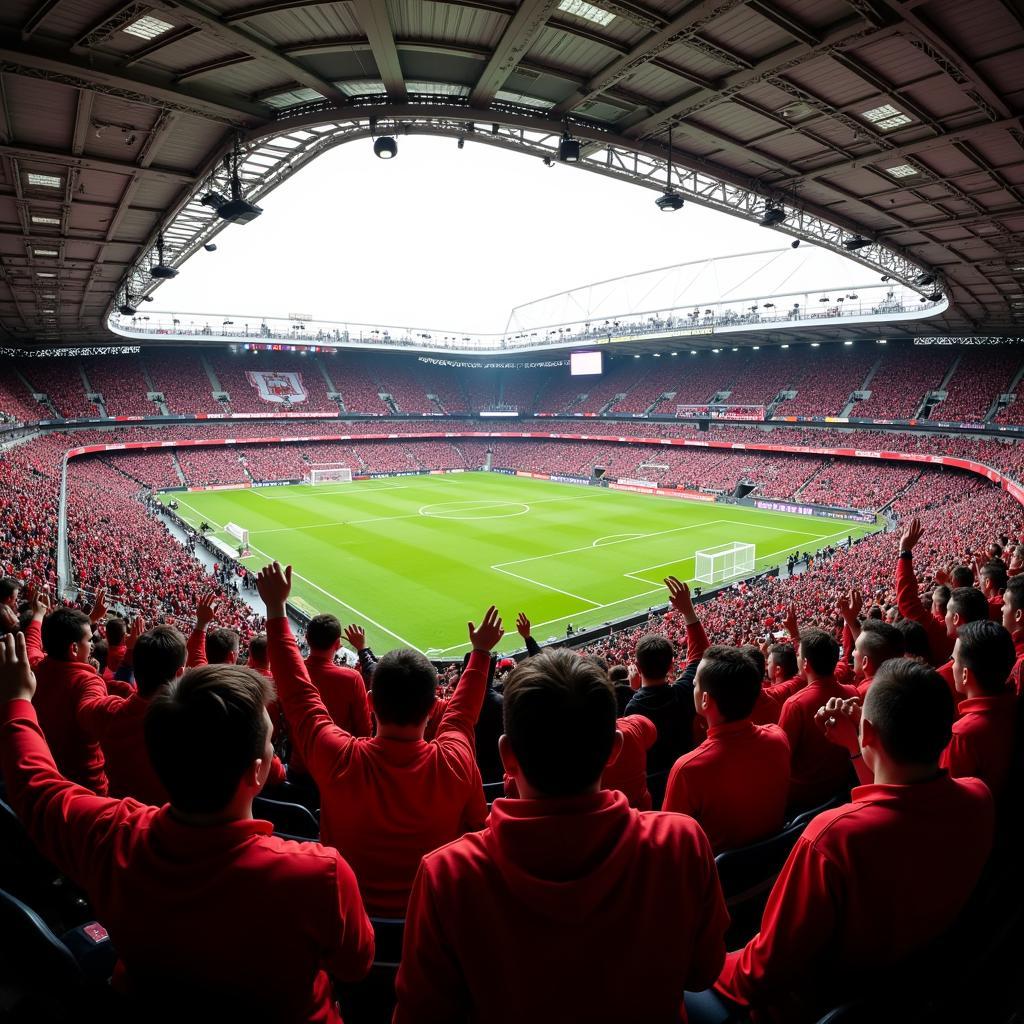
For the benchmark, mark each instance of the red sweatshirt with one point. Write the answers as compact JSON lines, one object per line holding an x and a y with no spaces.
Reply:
{"x":781,"y":692}
{"x":983,"y":740}
{"x":1017,"y":675}
{"x":344,"y":695}
{"x":866,"y":885}
{"x":735,"y":783}
{"x":908,"y":601}
{"x":819,"y":767}
{"x":629,"y":773}
{"x":195,"y":908}
{"x":195,"y":648}
{"x":60,"y":687}
{"x":579,"y":909}
{"x":385,"y":802}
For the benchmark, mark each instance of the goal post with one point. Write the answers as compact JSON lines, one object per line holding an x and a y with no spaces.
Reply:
{"x":327,"y":473}
{"x":240,"y":533}
{"x":725,"y":562}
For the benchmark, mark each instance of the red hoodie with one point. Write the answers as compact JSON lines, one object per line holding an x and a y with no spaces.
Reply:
{"x":579,"y":909}
{"x":385,"y":802}
{"x":227,"y":910}
{"x":629,"y":773}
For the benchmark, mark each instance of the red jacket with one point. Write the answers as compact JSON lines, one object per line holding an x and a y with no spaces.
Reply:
{"x":629,"y":773}
{"x":983,"y":740}
{"x":384,"y":802}
{"x":908,"y":601}
{"x":866,"y":885}
{"x":60,"y":687}
{"x":735,"y":783}
{"x":1017,"y":675}
{"x":819,"y":766}
{"x":579,"y":909}
{"x":344,"y":695}
{"x":185,"y":905}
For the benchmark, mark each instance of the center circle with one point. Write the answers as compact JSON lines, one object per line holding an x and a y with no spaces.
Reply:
{"x":467,"y":509}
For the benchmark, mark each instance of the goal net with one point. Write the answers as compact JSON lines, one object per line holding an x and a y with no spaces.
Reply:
{"x":725,"y":562}
{"x":327,"y":473}
{"x":240,"y":533}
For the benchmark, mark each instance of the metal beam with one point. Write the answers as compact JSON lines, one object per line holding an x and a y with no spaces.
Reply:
{"x":38,"y":16}
{"x":168,"y":39}
{"x":373,"y":18}
{"x":519,"y":35}
{"x":104,"y":75}
{"x":240,"y":39}
{"x":686,"y":24}
{"x":214,"y":65}
{"x":95,"y":164}
{"x":83,"y":116}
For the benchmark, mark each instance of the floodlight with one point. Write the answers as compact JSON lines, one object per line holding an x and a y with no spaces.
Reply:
{"x":856,"y":243}
{"x":385,"y":147}
{"x":210,"y":247}
{"x":161,"y":270}
{"x":772,"y":215}
{"x":568,"y":149}
{"x":795,"y":244}
{"x":669,"y":201}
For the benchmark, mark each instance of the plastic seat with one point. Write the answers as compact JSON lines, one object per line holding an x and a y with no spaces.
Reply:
{"x":747,"y":875}
{"x":372,"y":1000}
{"x":806,"y":817}
{"x":294,"y":819}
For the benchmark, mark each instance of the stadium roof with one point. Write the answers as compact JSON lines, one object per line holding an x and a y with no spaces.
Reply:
{"x":894,"y":121}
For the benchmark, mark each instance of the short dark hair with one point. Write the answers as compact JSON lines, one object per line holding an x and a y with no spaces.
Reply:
{"x":323,"y":632}
{"x":912,"y":711}
{"x":404,"y":687}
{"x":62,"y":628}
{"x":785,"y":657}
{"x":986,"y":648}
{"x":915,"y":639}
{"x":730,"y":677}
{"x":961,"y":576}
{"x":114,"y":628}
{"x":619,"y":674}
{"x":258,"y":648}
{"x":205,"y":731}
{"x":753,"y":652}
{"x":996,"y":573}
{"x":820,"y":650}
{"x":221,"y":643}
{"x":941,"y":592}
{"x":158,"y":657}
{"x":969,"y":603}
{"x":1014,"y":592}
{"x":881,"y":641}
{"x":9,"y":586}
{"x":101,"y":651}
{"x":559,"y":714}
{"x":653,"y":656}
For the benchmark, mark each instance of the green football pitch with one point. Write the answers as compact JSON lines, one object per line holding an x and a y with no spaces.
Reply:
{"x":413,"y":558}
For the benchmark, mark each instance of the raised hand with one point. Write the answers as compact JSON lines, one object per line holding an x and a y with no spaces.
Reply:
{"x":792,"y":623}
{"x":850,"y":604}
{"x":206,"y":608}
{"x":523,"y":625}
{"x":839,"y":720}
{"x":274,"y":584}
{"x":17,"y":681}
{"x":486,"y":637}
{"x":99,"y":606}
{"x":356,"y":636}
{"x":41,"y":604}
{"x":679,"y":598}
{"x":137,"y":629}
{"x":912,"y":533}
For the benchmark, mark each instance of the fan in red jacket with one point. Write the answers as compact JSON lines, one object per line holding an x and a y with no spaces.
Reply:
{"x":59,"y":649}
{"x":191,"y":893}
{"x":877,"y":879}
{"x":569,"y":905}
{"x":984,"y":736}
{"x":876,"y":642}
{"x":1013,"y":621}
{"x":341,"y":689}
{"x":819,"y":769}
{"x":737,"y":781}
{"x":388,"y":800}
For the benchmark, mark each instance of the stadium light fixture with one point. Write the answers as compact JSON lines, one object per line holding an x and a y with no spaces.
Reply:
{"x":670,"y":199}
{"x":784,"y":346}
{"x":934,"y":296}
{"x":925,"y":279}
{"x":160,"y":270}
{"x":856,"y":243}
{"x":847,"y":342}
{"x":210,"y":247}
{"x":772,"y":215}
{"x":385,"y":147}
{"x":815,"y":344}
{"x":795,"y":244}
{"x":568,"y":149}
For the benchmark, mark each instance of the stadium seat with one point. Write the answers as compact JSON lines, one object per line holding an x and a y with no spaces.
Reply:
{"x":806,"y":817}
{"x":747,"y":875}
{"x":294,"y":819}
{"x":493,"y":791}
{"x":372,"y":1000}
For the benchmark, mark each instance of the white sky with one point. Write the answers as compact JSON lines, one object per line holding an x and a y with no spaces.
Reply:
{"x":444,"y":238}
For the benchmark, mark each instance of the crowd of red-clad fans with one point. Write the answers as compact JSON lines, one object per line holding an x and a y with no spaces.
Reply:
{"x":766,"y":804}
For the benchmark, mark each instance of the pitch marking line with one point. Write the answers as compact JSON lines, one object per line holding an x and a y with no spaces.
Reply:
{"x":324,"y":491}
{"x":315,"y":586}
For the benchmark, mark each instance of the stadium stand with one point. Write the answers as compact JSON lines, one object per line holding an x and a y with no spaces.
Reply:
{"x":61,"y":381}
{"x":240,"y":374}
{"x":16,"y":403}
{"x":181,"y":378}
{"x":903,"y":378}
{"x":981,"y":376}
{"x":122,"y":384}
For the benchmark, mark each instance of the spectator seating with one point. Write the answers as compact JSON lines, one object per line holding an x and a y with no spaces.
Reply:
{"x":180,"y":377}
{"x":904,"y":376}
{"x":61,"y":382}
{"x":981,"y":376}
{"x":122,"y":384}
{"x":233,"y":371}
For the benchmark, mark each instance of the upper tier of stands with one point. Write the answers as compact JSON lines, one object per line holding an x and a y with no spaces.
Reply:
{"x":865,"y":380}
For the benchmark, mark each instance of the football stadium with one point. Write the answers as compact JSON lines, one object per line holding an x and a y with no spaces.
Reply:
{"x":644,"y":643}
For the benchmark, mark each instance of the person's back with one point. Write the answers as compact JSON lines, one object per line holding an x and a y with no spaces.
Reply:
{"x":59,"y":649}
{"x":737,"y":781}
{"x":605,"y":913}
{"x":875,"y":880}
{"x":628,"y":773}
{"x":819,"y":768}
{"x":201,"y":901}
{"x":388,"y":800}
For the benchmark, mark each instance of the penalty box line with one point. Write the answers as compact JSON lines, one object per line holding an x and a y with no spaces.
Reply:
{"x":315,"y":586}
